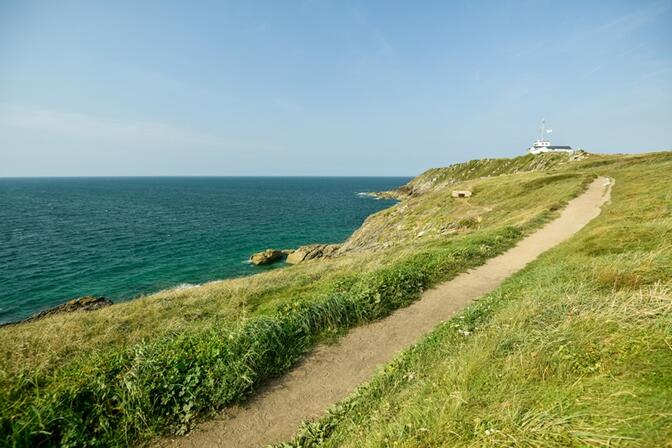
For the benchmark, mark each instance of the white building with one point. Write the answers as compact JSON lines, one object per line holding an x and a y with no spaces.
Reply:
{"x":541,"y":145}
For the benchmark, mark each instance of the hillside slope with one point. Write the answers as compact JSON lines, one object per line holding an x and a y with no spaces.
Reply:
{"x":439,"y":178}
{"x":303,"y":393}
{"x":155,"y":365}
{"x":573,"y":351}
{"x":428,"y":211}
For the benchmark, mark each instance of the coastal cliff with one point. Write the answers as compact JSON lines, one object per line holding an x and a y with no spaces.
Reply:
{"x":124,"y":374}
{"x":426,"y":209}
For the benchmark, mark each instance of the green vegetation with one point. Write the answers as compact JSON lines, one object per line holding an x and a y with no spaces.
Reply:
{"x":122,"y":374}
{"x":436,"y":178}
{"x":576,"y":350}
{"x":431,"y":216}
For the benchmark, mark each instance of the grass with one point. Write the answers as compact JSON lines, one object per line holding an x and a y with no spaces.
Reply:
{"x":576,"y":350}
{"x":116,"y":397}
{"x":479,"y":168}
{"x":123,"y":374}
{"x":52,"y":343}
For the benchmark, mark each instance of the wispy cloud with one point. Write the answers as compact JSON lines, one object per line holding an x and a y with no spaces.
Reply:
{"x":380,"y":41}
{"x":659,"y":73}
{"x":625,"y":24}
{"x":610,"y":61}
{"x":97,"y":129}
{"x":634,"y":20}
{"x":610,"y":42}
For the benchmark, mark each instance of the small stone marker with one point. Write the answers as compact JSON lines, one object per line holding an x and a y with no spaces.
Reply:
{"x":461,"y":194}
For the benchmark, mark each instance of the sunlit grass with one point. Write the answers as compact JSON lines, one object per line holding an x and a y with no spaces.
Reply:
{"x":156,"y":364}
{"x":576,"y":350}
{"x":500,"y":201}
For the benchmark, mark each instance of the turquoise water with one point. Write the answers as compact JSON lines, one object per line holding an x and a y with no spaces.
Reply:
{"x":121,"y":237}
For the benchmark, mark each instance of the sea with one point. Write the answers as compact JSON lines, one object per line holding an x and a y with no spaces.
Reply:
{"x":62,"y":238}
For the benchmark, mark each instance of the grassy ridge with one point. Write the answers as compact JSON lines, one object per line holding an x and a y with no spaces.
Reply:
{"x":573,"y":351}
{"x":474,"y":169}
{"x":502,"y":200}
{"x":122,"y":374}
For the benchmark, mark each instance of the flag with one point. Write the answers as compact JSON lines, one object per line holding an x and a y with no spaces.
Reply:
{"x":548,"y":131}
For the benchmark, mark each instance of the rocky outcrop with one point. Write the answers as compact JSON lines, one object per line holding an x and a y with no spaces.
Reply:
{"x":268,"y":256}
{"x":312,"y":252}
{"x":303,"y":253}
{"x":399,"y":194}
{"x":86,"y":303}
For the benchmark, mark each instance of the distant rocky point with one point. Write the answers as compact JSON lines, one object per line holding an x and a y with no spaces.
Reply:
{"x":86,"y":303}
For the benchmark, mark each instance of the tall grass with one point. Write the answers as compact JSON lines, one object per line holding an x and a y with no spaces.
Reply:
{"x":122,"y":396}
{"x":50,"y":344}
{"x":156,"y":365}
{"x":576,"y":350}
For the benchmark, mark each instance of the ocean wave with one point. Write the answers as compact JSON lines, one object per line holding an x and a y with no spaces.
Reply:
{"x":367,"y":194}
{"x":183,"y":286}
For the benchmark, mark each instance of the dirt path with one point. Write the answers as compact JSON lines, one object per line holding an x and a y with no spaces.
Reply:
{"x":332,"y":372}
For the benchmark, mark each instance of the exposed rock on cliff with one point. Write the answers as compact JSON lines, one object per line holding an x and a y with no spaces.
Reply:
{"x":312,"y":252}
{"x":86,"y":303}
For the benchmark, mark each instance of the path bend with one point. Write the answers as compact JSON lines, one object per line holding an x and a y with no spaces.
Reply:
{"x":331,"y":372}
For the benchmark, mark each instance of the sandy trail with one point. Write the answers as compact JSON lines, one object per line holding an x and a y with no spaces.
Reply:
{"x":332,"y":372}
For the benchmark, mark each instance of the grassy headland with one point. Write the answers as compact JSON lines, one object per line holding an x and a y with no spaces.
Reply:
{"x":122,"y":374}
{"x":576,"y":350}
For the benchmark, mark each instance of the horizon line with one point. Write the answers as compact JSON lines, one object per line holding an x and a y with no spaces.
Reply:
{"x":144,"y":176}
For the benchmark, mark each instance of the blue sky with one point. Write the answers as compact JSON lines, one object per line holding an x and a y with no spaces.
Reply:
{"x":324,"y":87}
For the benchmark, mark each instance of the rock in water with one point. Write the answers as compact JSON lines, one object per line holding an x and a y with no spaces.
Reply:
{"x":266,"y":257}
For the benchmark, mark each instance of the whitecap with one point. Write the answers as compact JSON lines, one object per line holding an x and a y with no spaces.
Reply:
{"x":183,"y":286}
{"x":366,"y":194}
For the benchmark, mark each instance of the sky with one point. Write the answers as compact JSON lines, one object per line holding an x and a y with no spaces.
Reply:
{"x":318,"y":87}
